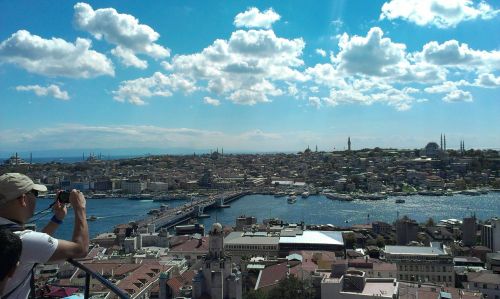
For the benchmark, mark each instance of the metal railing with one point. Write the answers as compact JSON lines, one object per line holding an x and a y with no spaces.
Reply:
{"x":89,"y":273}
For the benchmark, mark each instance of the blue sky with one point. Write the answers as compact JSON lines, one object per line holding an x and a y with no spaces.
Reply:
{"x":248,"y":76}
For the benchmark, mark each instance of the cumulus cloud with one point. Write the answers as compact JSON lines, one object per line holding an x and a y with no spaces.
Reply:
{"x":321,"y":52}
{"x":210,"y":101}
{"x":253,"y":18}
{"x":122,"y":30}
{"x":372,"y":55}
{"x":458,"y":96}
{"x":453,"y":54}
{"x":445,"y":87}
{"x":55,"y":56}
{"x":380,"y":93}
{"x":487,"y":80}
{"x":245,"y":68}
{"x":326,"y":74}
{"x":51,"y":90}
{"x":441,"y":14}
{"x":159,"y":85}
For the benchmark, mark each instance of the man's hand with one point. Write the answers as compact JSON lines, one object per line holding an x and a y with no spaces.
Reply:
{"x":77,"y":199}
{"x":60,"y":210}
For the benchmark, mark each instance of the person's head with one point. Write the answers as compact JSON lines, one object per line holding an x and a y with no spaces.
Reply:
{"x":10,"y":251}
{"x":17,"y":196}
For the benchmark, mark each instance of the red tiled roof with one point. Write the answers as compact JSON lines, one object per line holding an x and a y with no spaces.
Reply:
{"x":272,"y":275}
{"x":143,"y":275}
{"x":177,"y":282}
{"x":192,"y":245}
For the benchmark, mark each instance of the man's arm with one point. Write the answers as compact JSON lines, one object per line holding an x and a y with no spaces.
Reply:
{"x":79,"y":245}
{"x":60,"y":211}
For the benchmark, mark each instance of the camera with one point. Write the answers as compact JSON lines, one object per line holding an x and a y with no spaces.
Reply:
{"x":63,"y":197}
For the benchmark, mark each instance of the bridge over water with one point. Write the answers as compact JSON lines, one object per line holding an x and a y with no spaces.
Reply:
{"x":175,"y":216}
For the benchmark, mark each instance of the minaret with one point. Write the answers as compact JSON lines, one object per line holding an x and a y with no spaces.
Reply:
{"x":444,"y":143}
{"x":349,"y":143}
{"x":316,"y":148}
{"x":441,"y":141}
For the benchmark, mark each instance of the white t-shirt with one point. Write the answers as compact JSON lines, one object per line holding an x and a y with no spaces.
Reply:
{"x":37,"y":249}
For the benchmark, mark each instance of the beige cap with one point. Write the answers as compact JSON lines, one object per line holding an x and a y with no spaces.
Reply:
{"x":13,"y":185}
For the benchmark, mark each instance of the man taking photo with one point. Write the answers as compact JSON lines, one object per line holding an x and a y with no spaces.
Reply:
{"x":17,"y":204}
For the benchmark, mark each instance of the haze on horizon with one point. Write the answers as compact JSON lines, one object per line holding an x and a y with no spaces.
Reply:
{"x":267,"y":76}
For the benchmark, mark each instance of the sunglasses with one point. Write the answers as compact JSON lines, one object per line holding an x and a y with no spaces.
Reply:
{"x":34,"y":192}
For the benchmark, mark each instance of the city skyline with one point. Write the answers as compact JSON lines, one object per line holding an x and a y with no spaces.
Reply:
{"x":248,"y":76}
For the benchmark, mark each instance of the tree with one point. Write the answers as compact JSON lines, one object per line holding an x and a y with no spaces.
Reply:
{"x":255,"y":294}
{"x":291,"y":287}
{"x":350,"y":240}
{"x":430,"y":222}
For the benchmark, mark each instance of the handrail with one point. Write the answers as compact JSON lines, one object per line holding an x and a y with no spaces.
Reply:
{"x":113,"y":288}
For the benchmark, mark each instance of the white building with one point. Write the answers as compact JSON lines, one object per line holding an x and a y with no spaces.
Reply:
{"x":422,"y":264}
{"x":133,"y":186}
{"x":490,"y":234}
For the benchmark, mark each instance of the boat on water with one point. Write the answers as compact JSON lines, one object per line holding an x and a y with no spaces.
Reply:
{"x":374,"y":196}
{"x":291,"y":199}
{"x":280,"y":194}
{"x":305,"y":194}
{"x":140,"y":197}
{"x":400,"y":200}
{"x":92,"y":218}
{"x":471,"y":192}
{"x":339,"y":196}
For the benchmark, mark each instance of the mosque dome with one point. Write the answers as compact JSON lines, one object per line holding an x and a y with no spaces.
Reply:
{"x":432,"y":146}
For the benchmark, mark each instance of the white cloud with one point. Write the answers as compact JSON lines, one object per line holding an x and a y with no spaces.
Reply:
{"x":445,"y":87}
{"x":51,"y":90}
{"x":372,"y":55}
{"x":458,"y":96}
{"x":210,"y":101}
{"x":122,"y":30}
{"x":321,"y":52}
{"x":326,"y":74}
{"x":315,"y":102}
{"x":245,"y":68}
{"x":54,"y":57}
{"x":70,"y":136}
{"x":253,"y":18}
{"x":487,"y":80}
{"x":453,"y":54}
{"x":160,"y":85}
{"x":442,"y":14}
{"x":379,"y":93}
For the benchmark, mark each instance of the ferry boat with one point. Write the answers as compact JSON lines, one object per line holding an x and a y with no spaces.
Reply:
{"x":291,"y":199}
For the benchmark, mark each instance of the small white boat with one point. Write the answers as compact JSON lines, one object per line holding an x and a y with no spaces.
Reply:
{"x":291,"y":199}
{"x":305,"y":194}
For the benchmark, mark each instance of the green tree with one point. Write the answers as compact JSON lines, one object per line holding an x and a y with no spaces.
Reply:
{"x":255,"y":294}
{"x":430,"y":222}
{"x":350,"y":240}
{"x":292,"y":287}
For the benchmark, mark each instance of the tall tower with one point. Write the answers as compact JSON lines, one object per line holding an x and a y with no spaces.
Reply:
{"x":444,"y":141}
{"x":441,"y":141}
{"x":349,"y":143}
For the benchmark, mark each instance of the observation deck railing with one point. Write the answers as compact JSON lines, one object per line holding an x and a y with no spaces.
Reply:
{"x":108,"y":284}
